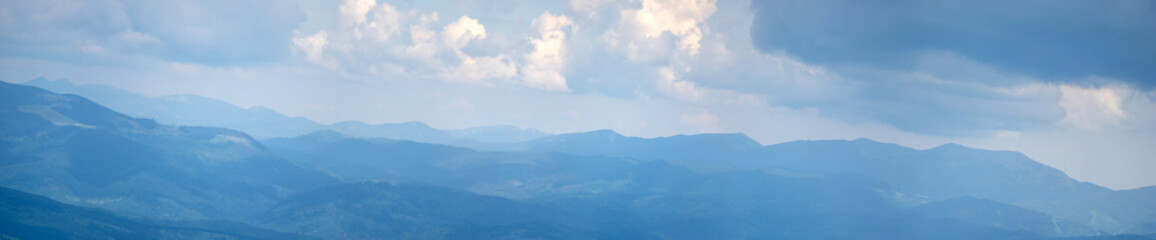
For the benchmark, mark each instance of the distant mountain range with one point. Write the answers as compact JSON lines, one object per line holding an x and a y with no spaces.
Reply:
{"x":71,"y":168}
{"x":261,"y":122}
{"x":76,"y":151}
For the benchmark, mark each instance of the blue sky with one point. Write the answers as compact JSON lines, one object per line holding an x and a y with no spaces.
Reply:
{"x":1069,"y":83}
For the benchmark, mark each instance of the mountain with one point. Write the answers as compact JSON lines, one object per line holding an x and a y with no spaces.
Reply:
{"x":420,"y":132}
{"x":522,"y":184}
{"x":188,"y":110}
{"x":940,"y":173}
{"x":943,"y":172}
{"x":27,"y":216}
{"x":412,"y":211}
{"x":73,"y":150}
{"x":1115,"y":212}
{"x":764,"y":206}
{"x":413,"y":131}
{"x":660,"y":199}
{"x":703,"y":152}
{"x":758,"y":204}
{"x":516,"y":175}
{"x":261,"y":122}
{"x":994,"y":214}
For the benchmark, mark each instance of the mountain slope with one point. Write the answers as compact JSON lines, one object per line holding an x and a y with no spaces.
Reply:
{"x":944,"y":172}
{"x":188,"y":110}
{"x":76,"y":151}
{"x":947,"y":171}
{"x":508,"y":174}
{"x":990,"y":213}
{"x":1116,"y":212}
{"x":412,"y":211}
{"x":262,"y":123}
{"x":703,"y":152}
{"x":27,"y":216}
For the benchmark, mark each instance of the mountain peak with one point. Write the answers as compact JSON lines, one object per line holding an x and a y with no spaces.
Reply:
{"x":735,"y":138}
{"x":350,"y":123}
{"x":951,"y":146}
{"x":601,"y":132}
{"x":43,"y":80}
{"x":326,"y":135}
{"x":412,"y":124}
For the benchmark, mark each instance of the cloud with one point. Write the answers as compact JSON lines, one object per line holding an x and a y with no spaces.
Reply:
{"x":313,"y":46}
{"x":218,"y":33}
{"x":669,"y":83}
{"x":1091,"y":108}
{"x":459,"y":33}
{"x":544,"y":66}
{"x":478,"y":70}
{"x":377,"y":39}
{"x":1048,"y":40}
{"x":366,"y":19}
{"x":353,"y":11}
{"x":643,"y":33}
{"x":473,"y":70}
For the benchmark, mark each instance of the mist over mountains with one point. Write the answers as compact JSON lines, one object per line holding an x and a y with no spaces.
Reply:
{"x":72,"y":167}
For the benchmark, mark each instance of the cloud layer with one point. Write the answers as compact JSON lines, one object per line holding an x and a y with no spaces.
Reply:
{"x":1056,"y":41}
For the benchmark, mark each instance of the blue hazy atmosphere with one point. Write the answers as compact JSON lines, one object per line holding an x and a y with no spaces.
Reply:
{"x":577,"y":119}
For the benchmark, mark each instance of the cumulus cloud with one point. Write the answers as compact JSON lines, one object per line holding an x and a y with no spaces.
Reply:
{"x":643,"y":33}
{"x":544,"y":66}
{"x":370,"y":38}
{"x":478,"y":70}
{"x":1091,"y":108}
{"x":312,"y":46}
{"x":669,"y":83}
{"x":473,"y":70}
{"x":459,"y":33}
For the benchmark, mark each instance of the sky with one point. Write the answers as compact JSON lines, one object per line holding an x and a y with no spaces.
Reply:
{"x":1070,"y":83}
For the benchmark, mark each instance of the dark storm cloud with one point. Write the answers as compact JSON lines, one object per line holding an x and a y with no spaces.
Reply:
{"x":1064,"y":41}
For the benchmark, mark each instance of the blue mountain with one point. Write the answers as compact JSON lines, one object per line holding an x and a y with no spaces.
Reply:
{"x":76,"y":151}
{"x":944,"y":172}
{"x":27,"y":216}
{"x":593,"y":185}
{"x":187,"y":110}
{"x":261,"y":122}
{"x":517,"y":175}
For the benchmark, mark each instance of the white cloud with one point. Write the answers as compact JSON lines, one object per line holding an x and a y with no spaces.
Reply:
{"x":588,"y":7}
{"x":423,"y":47}
{"x":543,"y":68}
{"x":669,"y":84}
{"x":353,"y":11}
{"x":312,"y":46}
{"x":478,"y":70}
{"x":1092,"y":108}
{"x":370,"y":38}
{"x":473,"y":69}
{"x":641,"y":30}
{"x":459,"y":33}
